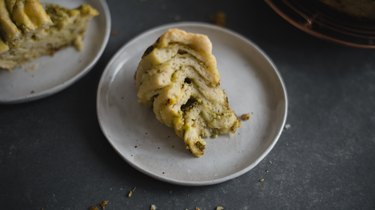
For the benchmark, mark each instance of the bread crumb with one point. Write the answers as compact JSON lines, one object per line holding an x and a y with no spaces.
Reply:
{"x":219,"y":208}
{"x":220,"y":19}
{"x":245,"y":117}
{"x":287,"y":126}
{"x":130,"y":194}
{"x":104,"y":204}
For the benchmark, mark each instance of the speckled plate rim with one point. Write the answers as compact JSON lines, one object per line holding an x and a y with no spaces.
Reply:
{"x":177,"y":181}
{"x":83,"y":72}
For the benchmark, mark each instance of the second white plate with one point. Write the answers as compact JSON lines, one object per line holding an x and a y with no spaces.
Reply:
{"x":252,"y":84}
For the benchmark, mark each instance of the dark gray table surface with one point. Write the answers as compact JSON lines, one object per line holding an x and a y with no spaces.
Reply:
{"x":53,"y":154}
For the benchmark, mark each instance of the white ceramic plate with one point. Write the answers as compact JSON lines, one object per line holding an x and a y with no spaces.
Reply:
{"x":48,"y":75}
{"x":252,"y":84}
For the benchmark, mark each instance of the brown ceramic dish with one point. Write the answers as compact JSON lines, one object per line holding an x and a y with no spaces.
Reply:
{"x":326,"y":23}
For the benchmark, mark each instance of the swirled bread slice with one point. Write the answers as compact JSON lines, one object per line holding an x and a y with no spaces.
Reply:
{"x":28,"y":30}
{"x":178,"y":77}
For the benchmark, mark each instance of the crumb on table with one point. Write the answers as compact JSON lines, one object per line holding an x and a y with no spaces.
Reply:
{"x":153,"y":207}
{"x":104,"y":204}
{"x":219,"y":208}
{"x":287,"y":126}
{"x":220,"y":18}
{"x":93,"y":208}
{"x":130,"y":194}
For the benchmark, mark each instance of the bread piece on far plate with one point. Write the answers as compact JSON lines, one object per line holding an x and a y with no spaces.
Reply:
{"x":28,"y":30}
{"x":178,"y":77}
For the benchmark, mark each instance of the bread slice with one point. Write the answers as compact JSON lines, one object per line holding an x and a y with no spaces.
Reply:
{"x":28,"y":30}
{"x":178,"y":77}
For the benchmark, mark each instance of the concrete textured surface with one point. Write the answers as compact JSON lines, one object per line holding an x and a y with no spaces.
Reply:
{"x":53,"y":154}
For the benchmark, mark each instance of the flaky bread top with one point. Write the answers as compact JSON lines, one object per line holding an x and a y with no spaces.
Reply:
{"x":198,"y":42}
{"x":19,"y":17}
